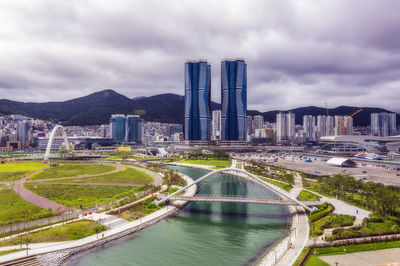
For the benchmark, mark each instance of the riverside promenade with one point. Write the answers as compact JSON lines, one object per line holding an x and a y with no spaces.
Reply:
{"x":57,"y":253}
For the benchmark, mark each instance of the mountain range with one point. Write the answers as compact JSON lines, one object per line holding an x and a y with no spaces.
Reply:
{"x":96,"y":108}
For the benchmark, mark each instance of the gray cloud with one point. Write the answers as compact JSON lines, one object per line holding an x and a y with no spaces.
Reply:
{"x":298,"y":52}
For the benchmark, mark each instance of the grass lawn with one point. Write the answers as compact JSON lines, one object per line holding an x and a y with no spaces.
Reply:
{"x":71,"y":231}
{"x":216,"y":163}
{"x":21,"y":166}
{"x":128,"y":176}
{"x":330,"y":221}
{"x":75,"y":195}
{"x":356,"y":248}
{"x":286,"y":187}
{"x":14,"y":209}
{"x":73,"y":170}
{"x":313,"y":260}
{"x":12,"y":176}
{"x":12,"y":171}
{"x":307,"y":196}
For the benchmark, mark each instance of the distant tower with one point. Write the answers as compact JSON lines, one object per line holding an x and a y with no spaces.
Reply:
{"x":23,"y":133}
{"x":392,"y":124}
{"x":375,"y":131}
{"x":134,"y":129}
{"x":234,"y":99}
{"x":197,"y":100}
{"x":118,"y":127}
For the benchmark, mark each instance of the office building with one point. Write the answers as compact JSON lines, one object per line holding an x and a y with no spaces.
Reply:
{"x":234,"y":100}
{"x":285,"y":127}
{"x":197,"y":101}
{"x":216,"y":125}
{"x":118,"y":127}
{"x":134,"y":129}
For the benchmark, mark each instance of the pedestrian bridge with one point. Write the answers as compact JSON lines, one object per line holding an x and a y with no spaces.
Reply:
{"x":284,"y":197}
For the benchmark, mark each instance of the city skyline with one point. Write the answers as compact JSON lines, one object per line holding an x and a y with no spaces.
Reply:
{"x":339,"y":57}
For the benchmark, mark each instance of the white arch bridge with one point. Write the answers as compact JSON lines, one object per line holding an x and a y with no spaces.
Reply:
{"x":52,"y":136}
{"x":285,"y":197}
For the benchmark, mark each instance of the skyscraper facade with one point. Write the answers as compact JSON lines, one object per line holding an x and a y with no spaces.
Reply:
{"x":134,"y":129}
{"x":258,"y":121}
{"x":197,"y":100}
{"x":118,"y":127}
{"x":234,"y":99}
{"x":384,"y":124}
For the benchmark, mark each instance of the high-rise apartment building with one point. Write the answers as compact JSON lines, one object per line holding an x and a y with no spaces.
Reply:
{"x":309,"y":127}
{"x":375,"y":128}
{"x":234,"y":99}
{"x":134,"y":129}
{"x":285,"y":127}
{"x":343,"y":125}
{"x":197,"y":100}
{"x":118,"y":127}
{"x":258,"y":121}
{"x":383,"y":124}
{"x":216,"y":125}
{"x":250,"y":125}
{"x":392,"y":124}
{"x":23,"y":133}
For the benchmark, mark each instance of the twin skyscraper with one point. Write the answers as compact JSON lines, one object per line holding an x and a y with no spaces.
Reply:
{"x":198,"y":100}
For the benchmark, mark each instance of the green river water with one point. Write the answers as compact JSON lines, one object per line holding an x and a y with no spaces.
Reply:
{"x":202,"y":234}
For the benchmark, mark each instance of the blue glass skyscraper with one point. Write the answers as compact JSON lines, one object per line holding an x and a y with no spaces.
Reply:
{"x":234,"y":99}
{"x":134,"y":129}
{"x":197,"y":100}
{"x":118,"y":127}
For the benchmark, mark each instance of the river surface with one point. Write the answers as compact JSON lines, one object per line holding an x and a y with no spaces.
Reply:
{"x":204,"y":233}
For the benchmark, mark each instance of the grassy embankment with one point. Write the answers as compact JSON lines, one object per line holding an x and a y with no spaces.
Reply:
{"x":76,"y":195}
{"x":128,"y":176}
{"x":12,"y":171}
{"x":72,"y":170}
{"x":139,"y":210}
{"x":307,"y":196}
{"x":217,"y":164}
{"x":70,"y":231}
{"x":14,"y":209}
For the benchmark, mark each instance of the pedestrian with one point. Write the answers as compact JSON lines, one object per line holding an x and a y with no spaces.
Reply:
{"x":357,"y":211}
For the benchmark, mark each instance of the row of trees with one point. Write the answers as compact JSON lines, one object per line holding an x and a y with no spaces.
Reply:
{"x":218,"y":155}
{"x":383,"y":200}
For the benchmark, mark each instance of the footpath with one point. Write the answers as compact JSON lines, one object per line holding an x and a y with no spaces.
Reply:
{"x":58,"y":253}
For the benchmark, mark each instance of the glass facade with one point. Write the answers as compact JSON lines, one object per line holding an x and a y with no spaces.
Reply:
{"x":134,"y":129}
{"x":234,"y":99}
{"x":197,"y":101}
{"x":118,"y":127}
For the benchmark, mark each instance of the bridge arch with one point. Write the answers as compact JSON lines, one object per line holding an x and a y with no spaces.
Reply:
{"x":52,"y":136}
{"x":254,"y":178}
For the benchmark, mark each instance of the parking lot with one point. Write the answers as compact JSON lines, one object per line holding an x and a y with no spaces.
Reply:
{"x":318,"y":166}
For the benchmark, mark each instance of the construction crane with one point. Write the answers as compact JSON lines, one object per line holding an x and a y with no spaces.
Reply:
{"x":343,"y":121}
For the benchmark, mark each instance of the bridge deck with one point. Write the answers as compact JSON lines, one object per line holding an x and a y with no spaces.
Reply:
{"x":244,"y":200}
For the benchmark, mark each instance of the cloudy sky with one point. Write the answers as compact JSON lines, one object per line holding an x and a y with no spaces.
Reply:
{"x":298,"y":53}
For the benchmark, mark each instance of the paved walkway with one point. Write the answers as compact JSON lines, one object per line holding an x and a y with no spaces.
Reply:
{"x":100,"y":184}
{"x":157,"y":178}
{"x":365,"y":258}
{"x":43,"y":248}
{"x":36,"y":199}
{"x":298,"y":186}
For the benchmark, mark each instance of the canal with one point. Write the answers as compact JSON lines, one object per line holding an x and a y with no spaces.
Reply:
{"x":204,"y":233}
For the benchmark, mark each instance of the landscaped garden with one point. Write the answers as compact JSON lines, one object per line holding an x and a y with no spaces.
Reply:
{"x":14,"y":209}
{"x":307,"y":196}
{"x":73,"y":170}
{"x":69,"y":231}
{"x":139,"y":210}
{"x":210,"y":162}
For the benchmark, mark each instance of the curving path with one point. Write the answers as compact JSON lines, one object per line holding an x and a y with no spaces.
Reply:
{"x":34,"y":198}
{"x":157,"y":178}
